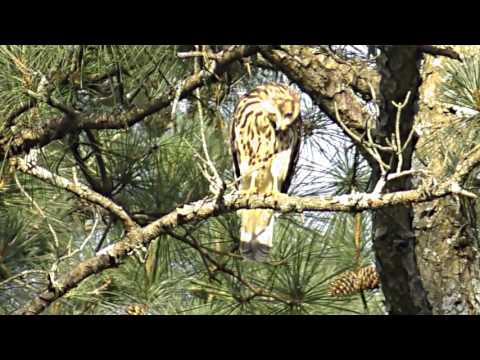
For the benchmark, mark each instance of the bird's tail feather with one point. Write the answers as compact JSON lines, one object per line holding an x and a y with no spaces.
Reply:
{"x":256,"y":235}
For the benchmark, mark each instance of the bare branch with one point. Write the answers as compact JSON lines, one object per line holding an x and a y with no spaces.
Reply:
{"x":22,"y":274}
{"x":436,"y":51}
{"x":190,"y":54}
{"x":217,"y":185}
{"x":398,"y":143}
{"x":44,"y":94}
{"x":78,"y":189}
{"x":85,"y":241}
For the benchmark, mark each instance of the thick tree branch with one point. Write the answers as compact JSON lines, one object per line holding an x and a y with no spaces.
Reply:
{"x":436,"y":51}
{"x":209,"y":207}
{"x":57,"y":128}
{"x":328,"y":81}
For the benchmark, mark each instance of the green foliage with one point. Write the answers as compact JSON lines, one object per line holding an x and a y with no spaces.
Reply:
{"x":459,"y":91}
{"x":461,"y":85}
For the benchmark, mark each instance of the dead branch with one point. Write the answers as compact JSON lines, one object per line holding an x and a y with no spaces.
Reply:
{"x":217,"y":185}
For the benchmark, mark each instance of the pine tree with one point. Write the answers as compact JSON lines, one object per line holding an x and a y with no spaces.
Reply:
{"x":151,"y":164}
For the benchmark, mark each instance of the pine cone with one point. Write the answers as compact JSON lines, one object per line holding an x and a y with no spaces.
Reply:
{"x":351,"y":282}
{"x":137,"y":309}
{"x":346,"y":284}
{"x":368,"y":278}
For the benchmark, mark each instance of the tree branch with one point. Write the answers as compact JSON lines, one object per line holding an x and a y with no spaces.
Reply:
{"x":79,"y":190}
{"x":435,"y":51}
{"x":57,"y":128}
{"x":10,"y":120}
{"x":327,"y":80}
{"x":210,"y":207}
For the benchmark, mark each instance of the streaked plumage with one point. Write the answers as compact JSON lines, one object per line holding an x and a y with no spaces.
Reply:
{"x":265,"y":140}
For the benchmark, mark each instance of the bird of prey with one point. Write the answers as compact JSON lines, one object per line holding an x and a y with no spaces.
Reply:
{"x":265,"y":142}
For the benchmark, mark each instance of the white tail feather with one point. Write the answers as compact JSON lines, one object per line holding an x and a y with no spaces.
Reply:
{"x":256,"y":234}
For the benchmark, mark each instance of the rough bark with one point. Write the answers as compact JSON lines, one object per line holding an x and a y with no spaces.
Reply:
{"x":448,"y":268}
{"x":445,"y":228}
{"x":328,"y":81}
{"x":394,"y":237}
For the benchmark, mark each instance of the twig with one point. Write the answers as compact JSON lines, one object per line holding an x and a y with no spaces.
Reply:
{"x":398,"y":145}
{"x":394,"y":145}
{"x":78,"y":189}
{"x":217,"y":185}
{"x":104,"y":235}
{"x":39,"y":209}
{"x":22,"y":274}
{"x":44,"y":94}
{"x":98,"y":157}
{"x":231,"y":184}
{"x":52,"y":274}
{"x":197,"y":54}
{"x":87,"y":239}
{"x":369,"y":146}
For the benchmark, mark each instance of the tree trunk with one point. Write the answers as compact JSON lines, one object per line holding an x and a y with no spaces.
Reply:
{"x":394,"y":238}
{"x":446,"y":228}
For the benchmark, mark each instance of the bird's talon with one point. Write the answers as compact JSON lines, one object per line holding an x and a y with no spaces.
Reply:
{"x":276,"y":195}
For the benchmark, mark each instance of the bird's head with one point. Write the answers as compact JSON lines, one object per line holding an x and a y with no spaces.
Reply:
{"x":283,"y":112}
{"x":288,"y":113}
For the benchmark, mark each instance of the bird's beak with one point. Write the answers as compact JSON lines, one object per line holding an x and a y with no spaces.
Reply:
{"x":280,"y":126}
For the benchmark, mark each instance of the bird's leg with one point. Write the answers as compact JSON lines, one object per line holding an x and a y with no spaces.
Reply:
{"x":278,"y":173}
{"x":276,"y":193}
{"x":249,"y":186}
{"x":253,"y":188}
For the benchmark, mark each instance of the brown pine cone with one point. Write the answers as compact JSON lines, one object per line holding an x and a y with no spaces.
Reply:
{"x":137,"y":309}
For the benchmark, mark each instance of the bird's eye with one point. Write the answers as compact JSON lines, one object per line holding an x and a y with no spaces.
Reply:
{"x":288,"y":114}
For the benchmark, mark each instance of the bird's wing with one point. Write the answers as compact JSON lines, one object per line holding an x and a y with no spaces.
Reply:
{"x":234,"y":150}
{"x":293,"y":157}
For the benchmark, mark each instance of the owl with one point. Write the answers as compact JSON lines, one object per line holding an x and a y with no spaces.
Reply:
{"x":265,"y":141}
